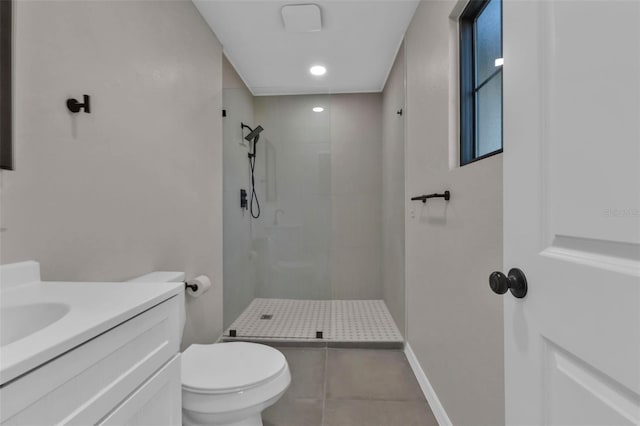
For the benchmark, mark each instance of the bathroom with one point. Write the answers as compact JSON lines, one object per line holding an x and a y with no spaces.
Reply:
{"x":149,"y":179}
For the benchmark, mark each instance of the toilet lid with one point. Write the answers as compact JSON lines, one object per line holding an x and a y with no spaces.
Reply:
{"x":229,"y":367}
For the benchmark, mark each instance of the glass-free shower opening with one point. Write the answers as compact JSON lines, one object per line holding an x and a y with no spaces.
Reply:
{"x":278,"y":267}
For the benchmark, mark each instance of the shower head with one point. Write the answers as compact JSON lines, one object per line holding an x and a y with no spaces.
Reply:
{"x":253,"y":134}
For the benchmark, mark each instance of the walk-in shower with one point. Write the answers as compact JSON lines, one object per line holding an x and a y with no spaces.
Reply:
{"x":304,"y":265}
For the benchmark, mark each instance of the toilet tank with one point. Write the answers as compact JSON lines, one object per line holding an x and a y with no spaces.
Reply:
{"x":166,"y":277}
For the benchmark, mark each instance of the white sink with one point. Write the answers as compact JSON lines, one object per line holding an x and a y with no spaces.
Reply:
{"x":19,"y":321}
{"x":40,"y":320}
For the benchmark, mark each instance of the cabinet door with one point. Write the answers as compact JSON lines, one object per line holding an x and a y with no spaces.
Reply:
{"x":157,"y":402}
{"x":85,"y":384}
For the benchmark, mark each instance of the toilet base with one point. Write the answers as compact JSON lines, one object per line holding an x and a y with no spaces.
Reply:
{"x":254,"y":420}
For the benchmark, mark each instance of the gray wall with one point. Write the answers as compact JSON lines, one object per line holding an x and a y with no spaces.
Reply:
{"x":343,"y":214}
{"x":136,"y":185}
{"x":356,"y":181}
{"x":393,"y":277}
{"x":454,"y":321}
{"x":240,"y":278}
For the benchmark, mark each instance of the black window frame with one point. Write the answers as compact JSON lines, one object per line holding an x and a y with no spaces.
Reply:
{"x":6,"y":96}
{"x":468,"y":87}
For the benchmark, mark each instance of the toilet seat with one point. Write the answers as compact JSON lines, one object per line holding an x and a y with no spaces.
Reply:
{"x":224,"y":368}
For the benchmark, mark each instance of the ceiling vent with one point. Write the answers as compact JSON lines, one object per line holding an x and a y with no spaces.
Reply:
{"x":302,"y":18}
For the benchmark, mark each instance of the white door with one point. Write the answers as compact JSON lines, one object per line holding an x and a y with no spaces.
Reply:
{"x":572,"y":211}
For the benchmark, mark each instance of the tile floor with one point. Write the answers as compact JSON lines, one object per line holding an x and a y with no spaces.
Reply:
{"x":349,"y":387}
{"x":341,"y":321}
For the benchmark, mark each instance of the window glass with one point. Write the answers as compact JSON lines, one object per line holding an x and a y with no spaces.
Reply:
{"x":489,"y":117}
{"x":480,"y":80}
{"x":488,"y":43}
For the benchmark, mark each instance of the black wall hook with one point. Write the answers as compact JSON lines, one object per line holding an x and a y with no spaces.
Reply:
{"x":75,"y":106}
{"x":446,"y":195}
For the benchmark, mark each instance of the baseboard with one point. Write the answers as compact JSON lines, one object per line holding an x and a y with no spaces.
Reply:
{"x":435,"y":404}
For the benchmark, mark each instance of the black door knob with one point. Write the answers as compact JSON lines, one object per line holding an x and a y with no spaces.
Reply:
{"x":516,"y":282}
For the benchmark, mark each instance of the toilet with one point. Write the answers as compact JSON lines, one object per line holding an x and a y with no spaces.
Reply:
{"x":227,"y":384}
{"x":231,"y":383}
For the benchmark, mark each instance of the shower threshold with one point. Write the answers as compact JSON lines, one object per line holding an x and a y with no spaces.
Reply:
{"x":333,"y":323}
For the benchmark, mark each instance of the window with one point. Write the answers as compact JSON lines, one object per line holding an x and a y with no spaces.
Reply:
{"x":480,"y":80}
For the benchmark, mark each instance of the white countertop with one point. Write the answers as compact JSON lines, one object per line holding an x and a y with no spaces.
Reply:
{"x":94,"y":308}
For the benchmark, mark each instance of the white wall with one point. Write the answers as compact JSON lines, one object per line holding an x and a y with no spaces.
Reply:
{"x":240,"y":278}
{"x":136,"y":185}
{"x":454,"y":321}
{"x":393,"y":259}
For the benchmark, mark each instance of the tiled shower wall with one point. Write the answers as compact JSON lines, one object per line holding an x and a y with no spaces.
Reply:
{"x":294,"y":251}
{"x":356,"y":193}
{"x":345,"y":202}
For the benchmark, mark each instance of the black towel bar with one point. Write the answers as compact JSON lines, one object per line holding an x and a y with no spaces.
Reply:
{"x":446,"y":195}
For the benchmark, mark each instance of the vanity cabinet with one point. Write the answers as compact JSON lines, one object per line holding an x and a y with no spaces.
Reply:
{"x":129,"y":375}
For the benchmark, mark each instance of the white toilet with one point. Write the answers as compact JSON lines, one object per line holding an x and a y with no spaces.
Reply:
{"x":231,"y":383}
{"x":227,"y":384}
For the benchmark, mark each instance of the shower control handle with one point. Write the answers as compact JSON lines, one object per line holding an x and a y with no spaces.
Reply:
{"x":243,"y":199}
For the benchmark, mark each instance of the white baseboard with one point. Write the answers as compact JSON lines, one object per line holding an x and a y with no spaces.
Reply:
{"x":435,"y":404}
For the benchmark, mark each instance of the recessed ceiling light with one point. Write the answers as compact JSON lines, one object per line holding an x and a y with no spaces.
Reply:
{"x":317,"y":70}
{"x":318,"y":109}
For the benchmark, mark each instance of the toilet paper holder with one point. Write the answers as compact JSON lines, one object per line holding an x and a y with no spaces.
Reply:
{"x":193,"y":287}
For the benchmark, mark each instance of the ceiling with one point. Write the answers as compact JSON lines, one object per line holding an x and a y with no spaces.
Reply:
{"x":357,"y":44}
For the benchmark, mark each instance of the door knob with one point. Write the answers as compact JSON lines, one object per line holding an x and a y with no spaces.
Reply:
{"x":516,"y":282}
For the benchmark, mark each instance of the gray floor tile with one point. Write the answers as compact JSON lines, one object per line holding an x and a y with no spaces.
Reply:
{"x":307,"y":372}
{"x":294,"y":412}
{"x":370,"y":374}
{"x":344,"y":412}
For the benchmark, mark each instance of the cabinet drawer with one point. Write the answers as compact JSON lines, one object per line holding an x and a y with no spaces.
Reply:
{"x":83,"y":385}
{"x":156,"y":402}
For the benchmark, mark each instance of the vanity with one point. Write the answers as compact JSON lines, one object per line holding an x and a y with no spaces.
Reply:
{"x":88,"y":353}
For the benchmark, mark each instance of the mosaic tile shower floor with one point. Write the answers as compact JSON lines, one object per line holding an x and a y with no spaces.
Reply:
{"x":339,"y":321}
